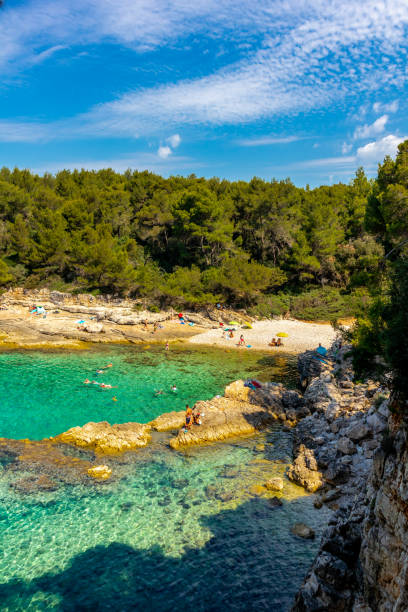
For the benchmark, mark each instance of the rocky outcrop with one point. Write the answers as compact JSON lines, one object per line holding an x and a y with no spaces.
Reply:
{"x":106,"y":439}
{"x":169,"y":421}
{"x":304,"y":470}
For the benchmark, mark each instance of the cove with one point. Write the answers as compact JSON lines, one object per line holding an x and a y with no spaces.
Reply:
{"x":172,"y":530}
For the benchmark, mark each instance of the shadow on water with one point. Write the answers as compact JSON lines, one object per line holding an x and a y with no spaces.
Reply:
{"x":239,"y":568}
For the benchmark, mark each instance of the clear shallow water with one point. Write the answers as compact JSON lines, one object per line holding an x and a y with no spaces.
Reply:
{"x":171,"y":531}
{"x":159,"y":539}
{"x":42,"y":393}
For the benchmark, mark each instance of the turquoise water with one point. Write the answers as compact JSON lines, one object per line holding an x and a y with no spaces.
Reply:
{"x":170,"y":531}
{"x":42,"y":394}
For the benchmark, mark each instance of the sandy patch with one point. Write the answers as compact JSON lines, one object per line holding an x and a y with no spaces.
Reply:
{"x":301,"y":336}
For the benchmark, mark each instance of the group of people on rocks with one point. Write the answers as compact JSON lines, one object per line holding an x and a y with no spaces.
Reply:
{"x":193,"y":417}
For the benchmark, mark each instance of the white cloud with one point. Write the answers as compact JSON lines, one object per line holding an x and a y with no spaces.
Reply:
{"x":174,"y":140}
{"x":368,"y":131}
{"x":390,"y":107}
{"x":267,"y":140}
{"x":164,"y":152}
{"x":346,"y":148}
{"x":374,"y":152}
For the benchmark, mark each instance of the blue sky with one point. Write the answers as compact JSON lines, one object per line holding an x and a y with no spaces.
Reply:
{"x":306,"y":89}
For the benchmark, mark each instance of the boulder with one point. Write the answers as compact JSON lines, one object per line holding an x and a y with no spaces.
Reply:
{"x":237,"y":391}
{"x":376,"y":423}
{"x":100,"y":472}
{"x":304,"y":470}
{"x":302,"y":531}
{"x":358,"y":432}
{"x":346,"y":446}
{"x":106,"y":439}
{"x":274,"y":484}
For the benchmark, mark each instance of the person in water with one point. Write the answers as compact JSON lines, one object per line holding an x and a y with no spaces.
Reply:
{"x":105,"y":386}
{"x":158,"y":392}
{"x":173,"y":388}
{"x":99,"y":371}
{"x":87,"y":381}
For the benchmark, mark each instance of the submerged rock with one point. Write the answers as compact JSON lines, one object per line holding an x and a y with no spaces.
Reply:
{"x":258,"y":490}
{"x":274,"y":484}
{"x":34,"y":484}
{"x":302,"y":531}
{"x":100,"y":472}
{"x":275,"y":502}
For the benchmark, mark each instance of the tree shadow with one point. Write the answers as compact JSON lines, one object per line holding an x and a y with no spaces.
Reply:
{"x":243,"y":566}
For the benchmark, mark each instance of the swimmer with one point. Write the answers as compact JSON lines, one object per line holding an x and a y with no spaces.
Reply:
{"x":158,"y":392}
{"x":87,"y":381}
{"x":105,"y":386}
{"x":110,"y":365}
{"x":94,"y":382}
{"x":114,"y":398}
{"x":173,"y":388}
{"x":99,"y":371}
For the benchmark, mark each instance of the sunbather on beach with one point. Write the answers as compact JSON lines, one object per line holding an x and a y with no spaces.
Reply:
{"x":272,"y":342}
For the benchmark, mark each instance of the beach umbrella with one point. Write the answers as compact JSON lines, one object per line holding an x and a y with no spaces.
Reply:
{"x":283,"y":335}
{"x":233,"y":323}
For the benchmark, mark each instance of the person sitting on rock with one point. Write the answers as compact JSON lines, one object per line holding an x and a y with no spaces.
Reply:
{"x":197,"y":417}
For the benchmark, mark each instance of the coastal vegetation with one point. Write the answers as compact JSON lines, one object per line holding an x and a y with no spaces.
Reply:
{"x":380,"y":337}
{"x":269,"y":247}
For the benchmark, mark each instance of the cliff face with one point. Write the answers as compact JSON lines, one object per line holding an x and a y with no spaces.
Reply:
{"x":362,"y":564}
{"x":384,"y":548}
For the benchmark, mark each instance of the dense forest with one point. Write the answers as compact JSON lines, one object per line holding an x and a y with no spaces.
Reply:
{"x":270,"y":247}
{"x":381,"y":335}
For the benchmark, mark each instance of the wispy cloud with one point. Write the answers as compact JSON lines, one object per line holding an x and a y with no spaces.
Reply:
{"x":21,"y":131}
{"x":368,"y":131}
{"x":267,"y":140}
{"x":387,"y":107}
{"x":312,"y":55}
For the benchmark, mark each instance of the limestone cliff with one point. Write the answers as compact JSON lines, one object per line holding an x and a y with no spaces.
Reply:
{"x":384,"y":548}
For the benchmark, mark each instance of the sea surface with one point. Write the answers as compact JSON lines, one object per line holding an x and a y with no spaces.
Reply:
{"x":170,"y":531}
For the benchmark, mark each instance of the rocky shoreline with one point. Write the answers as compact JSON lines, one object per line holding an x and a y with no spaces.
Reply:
{"x":351,"y":451}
